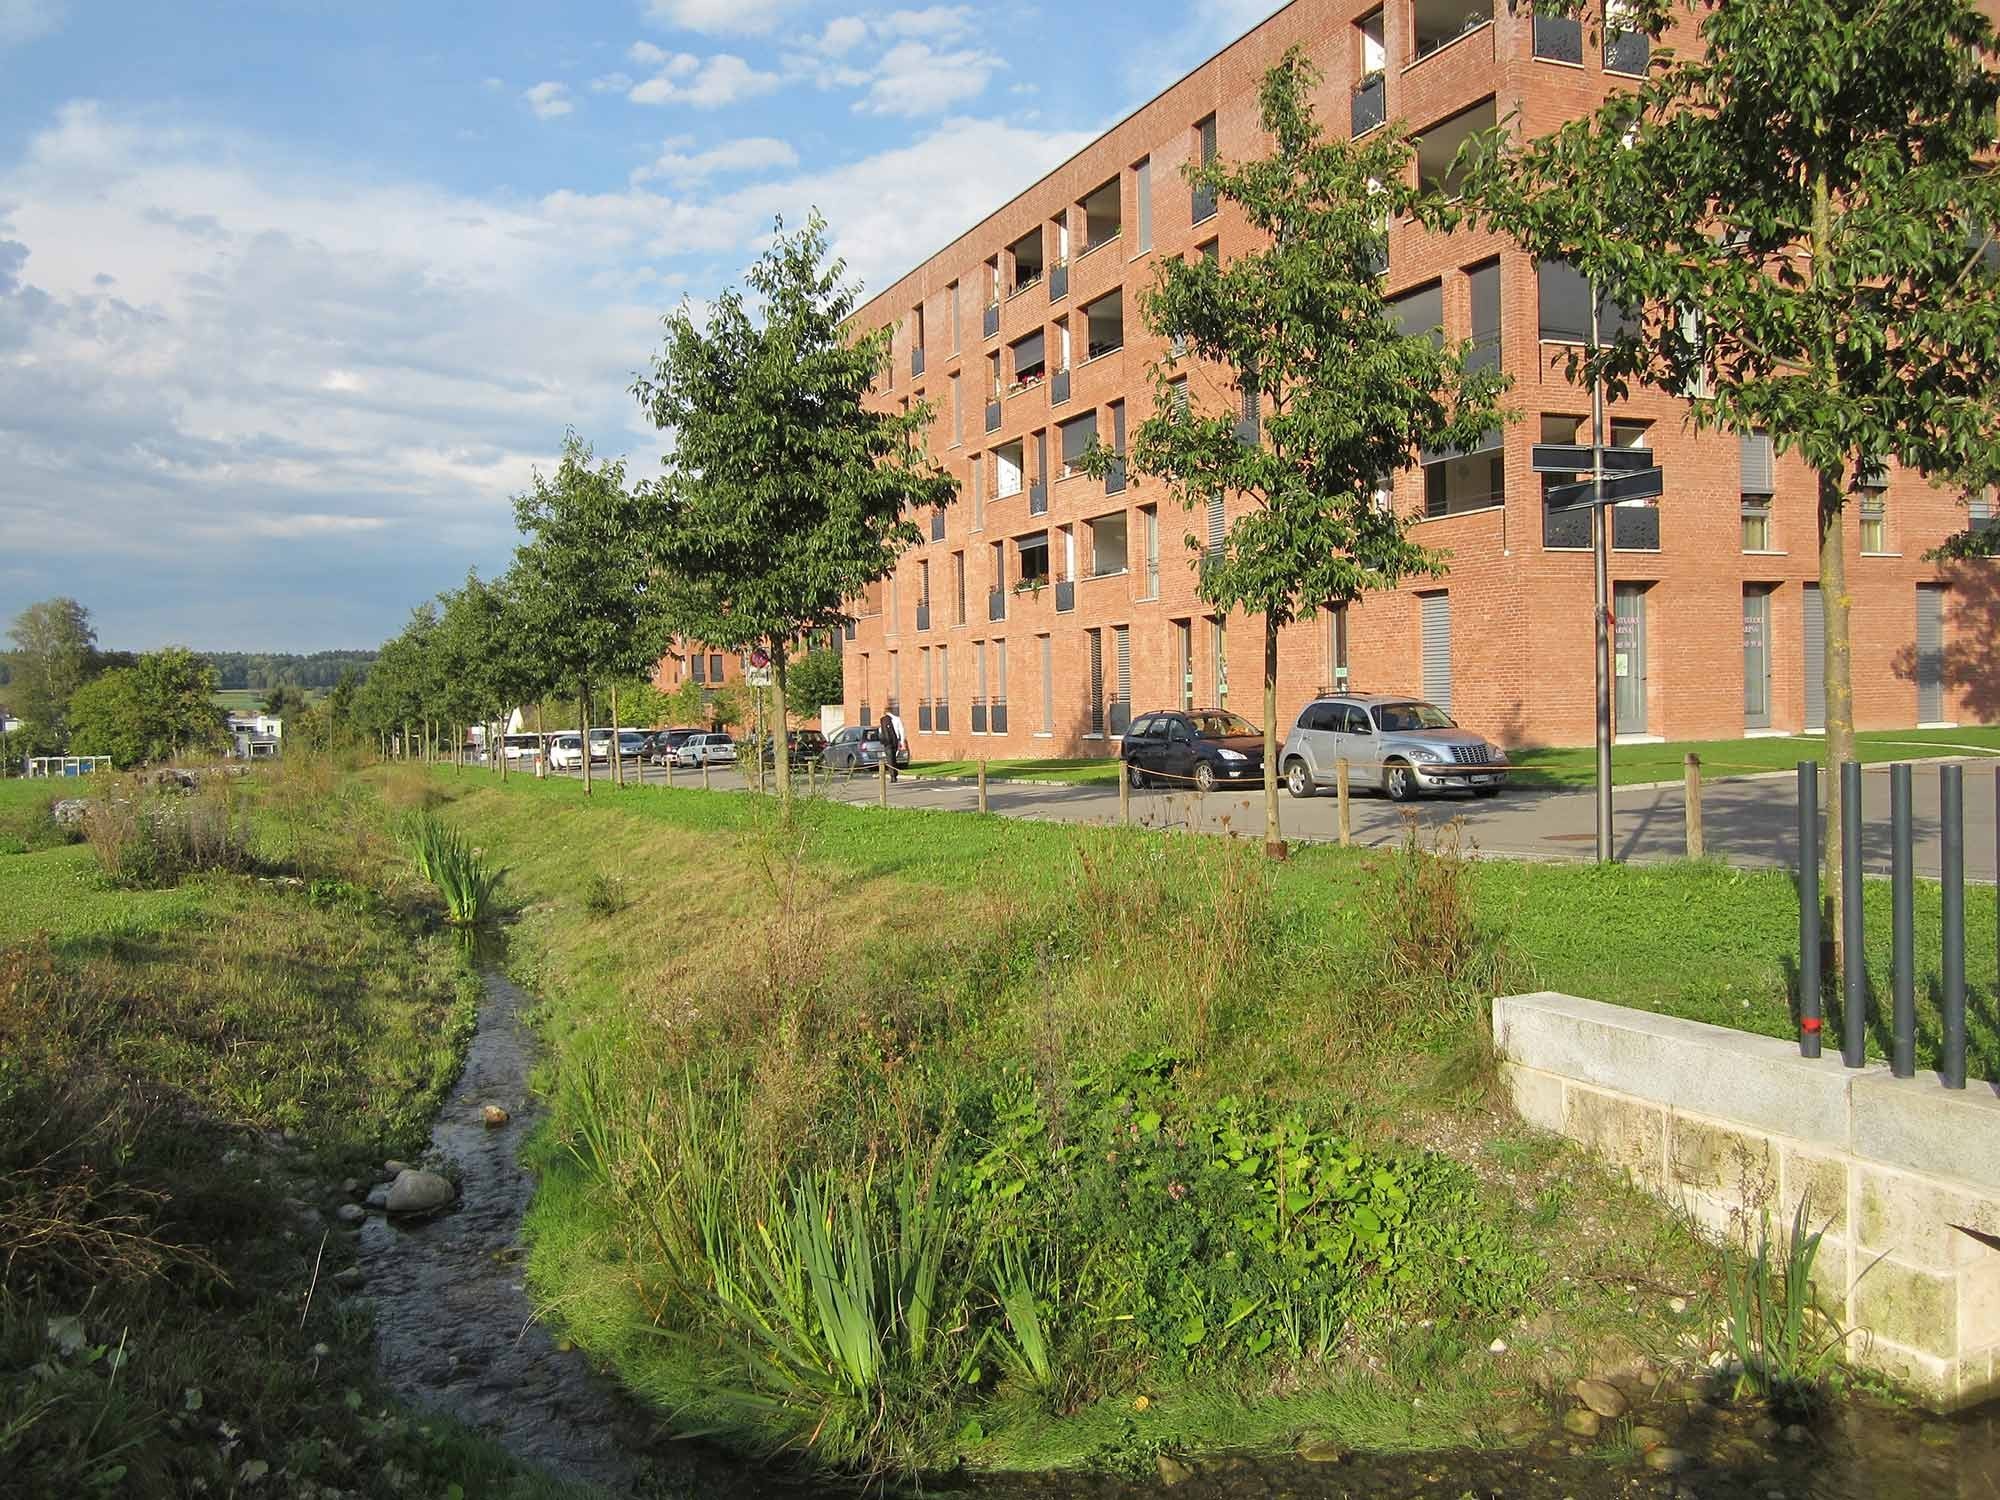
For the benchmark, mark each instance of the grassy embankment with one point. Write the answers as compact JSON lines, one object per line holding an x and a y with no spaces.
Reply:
{"x":1177,"y":1149}
{"x":1552,"y":769}
{"x":162,"y":1326}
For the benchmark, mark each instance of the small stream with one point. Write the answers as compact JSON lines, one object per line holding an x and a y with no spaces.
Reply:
{"x":456,"y":1334}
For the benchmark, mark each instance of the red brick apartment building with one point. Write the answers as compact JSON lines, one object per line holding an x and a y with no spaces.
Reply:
{"x":1045,"y":607}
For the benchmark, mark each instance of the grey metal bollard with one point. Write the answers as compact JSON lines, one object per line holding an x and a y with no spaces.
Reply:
{"x":1810,"y":1022}
{"x":1903,"y":1037}
{"x":1951,"y":815}
{"x":1853,"y":927}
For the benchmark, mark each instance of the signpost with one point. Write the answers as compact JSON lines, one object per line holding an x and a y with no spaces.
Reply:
{"x":1616,"y":475}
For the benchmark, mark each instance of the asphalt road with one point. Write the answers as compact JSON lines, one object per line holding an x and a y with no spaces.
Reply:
{"x":1749,"y":821}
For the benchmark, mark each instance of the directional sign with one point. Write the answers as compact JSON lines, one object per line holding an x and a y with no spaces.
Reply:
{"x":1645,"y":485}
{"x":1581,"y":458}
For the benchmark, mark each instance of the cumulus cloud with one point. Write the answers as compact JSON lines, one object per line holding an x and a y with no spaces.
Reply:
{"x":677,"y":165}
{"x":710,"y":83}
{"x":549,"y":101}
{"x":715,"y":17}
{"x":24,"y":20}
{"x":911,"y":79}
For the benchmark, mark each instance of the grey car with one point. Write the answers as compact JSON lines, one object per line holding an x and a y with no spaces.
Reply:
{"x":1401,"y":746}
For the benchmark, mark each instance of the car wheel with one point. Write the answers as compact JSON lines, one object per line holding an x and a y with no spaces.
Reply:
{"x":1298,"y":780}
{"x":1204,"y":777}
{"x":1134,"y":775}
{"x":1399,"y":781}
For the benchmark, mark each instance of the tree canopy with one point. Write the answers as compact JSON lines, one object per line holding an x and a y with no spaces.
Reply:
{"x":160,"y":708}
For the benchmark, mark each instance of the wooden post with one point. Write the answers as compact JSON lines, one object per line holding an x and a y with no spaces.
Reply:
{"x":704,"y":773}
{"x":882,"y":781}
{"x":812,"y":778}
{"x":1340,"y":793}
{"x":670,"y":769}
{"x":1693,"y":798}
{"x":1124,"y":799}
{"x":982,"y":786}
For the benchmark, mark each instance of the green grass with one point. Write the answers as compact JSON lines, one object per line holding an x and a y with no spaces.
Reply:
{"x":1631,"y":765}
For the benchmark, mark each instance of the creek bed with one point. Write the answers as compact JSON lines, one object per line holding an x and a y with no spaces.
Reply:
{"x":456,"y":1334}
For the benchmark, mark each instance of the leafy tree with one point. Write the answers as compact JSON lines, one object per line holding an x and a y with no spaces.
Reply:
{"x":816,"y":680}
{"x":54,"y":651}
{"x":158,"y":709}
{"x":284,"y":702}
{"x":1342,"y":397}
{"x":1815,"y":184}
{"x":784,"y":495}
{"x":588,"y":604}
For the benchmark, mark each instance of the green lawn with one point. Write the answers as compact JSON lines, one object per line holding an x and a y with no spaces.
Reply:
{"x":1631,"y":765}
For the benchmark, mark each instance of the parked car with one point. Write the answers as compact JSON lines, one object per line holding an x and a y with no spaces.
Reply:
{"x":566,"y":752}
{"x":1400,"y":746}
{"x":523,"y":748}
{"x":600,"y":746}
{"x":859,"y":748}
{"x":706,"y":749}
{"x":802,"y":747}
{"x":663,"y":743}
{"x":632,"y":743}
{"x":1202,"y":748}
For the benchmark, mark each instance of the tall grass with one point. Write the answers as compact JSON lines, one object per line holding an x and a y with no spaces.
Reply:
{"x":445,"y":858}
{"x":150,"y":839}
{"x":1784,"y":1347}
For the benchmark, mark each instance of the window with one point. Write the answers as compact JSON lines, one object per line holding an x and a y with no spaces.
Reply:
{"x":1096,"y":711}
{"x":1008,"y":461}
{"x":1203,"y":204}
{"x":957,"y":414}
{"x":954,"y":317}
{"x":1048,"y":685}
{"x":1565,"y":306}
{"x":1218,"y":643}
{"x":1030,"y":359}
{"x":1456,"y":482}
{"x":1759,"y":464}
{"x":958,"y":581}
{"x":1184,"y":662}
{"x":1559,"y":38}
{"x":1025,"y":254}
{"x":1368,"y":109}
{"x":1142,"y":189}
{"x":1438,"y":23}
{"x":979,"y":493}
{"x":1104,"y":325}
{"x":1484,"y":284}
{"x":715,"y":667}
{"x":1438,"y":167}
{"x":979,"y":687}
{"x":1108,"y":537}
{"x":1420,"y":311}
{"x":1149,"y":522}
{"x":1077,"y":434}
{"x":1249,"y":410}
{"x":1336,"y":648}
{"x":1032,"y":552}
{"x":1874,"y":523}
{"x":941,"y":710}
{"x":1179,"y":397}
{"x":1218,"y":526}
{"x":1757,"y":523}
{"x":699,"y":665}
{"x":1103,"y":216}
{"x":1627,"y":49}
{"x":1114,"y":477}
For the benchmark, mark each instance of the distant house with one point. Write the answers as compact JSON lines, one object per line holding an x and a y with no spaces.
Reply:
{"x":8,"y":723}
{"x":255,"y":736}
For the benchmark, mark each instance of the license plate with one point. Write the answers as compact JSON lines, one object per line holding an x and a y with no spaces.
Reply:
{"x":1484,"y":780}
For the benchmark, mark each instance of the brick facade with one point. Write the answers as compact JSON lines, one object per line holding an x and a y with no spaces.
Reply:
{"x":1520,"y":608}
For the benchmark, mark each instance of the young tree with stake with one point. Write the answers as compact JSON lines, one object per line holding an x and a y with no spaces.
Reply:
{"x":1800,"y":215}
{"x":1331,"y":396}
{"x":784,"y":495}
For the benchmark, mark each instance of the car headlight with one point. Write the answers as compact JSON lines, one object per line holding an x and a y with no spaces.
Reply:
{"x":1228,"y":754}
{"x":1495,"y":756}
{"x":1426,"y":757}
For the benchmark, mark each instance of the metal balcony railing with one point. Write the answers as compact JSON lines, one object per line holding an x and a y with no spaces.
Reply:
{"x":916,"y":361}
{"x":992,"y":323}
{"x":1370,"y":106}
{"x":923,"y":617}
{"x":1065,"y":596}
{"x":1559,"y":39}
{"x":1038,"y":498}
{"x":1627,"y":51}
{"x":1058,"y":281}
{"x":1114,"y":477}
{"x":1059,"y":388}
{"x":993,"y":416}
{"x":996,"y":604}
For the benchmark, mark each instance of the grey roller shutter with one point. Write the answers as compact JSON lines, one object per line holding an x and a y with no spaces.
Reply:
{"x":1759,"y":465}
{"x":1815,"y":640}
{"x":1218,"y":526}
{"x":1096,"y":681}
{"x":1437,"y":649}
{"x":1930,"y":653}
{"x":1121,"y":650}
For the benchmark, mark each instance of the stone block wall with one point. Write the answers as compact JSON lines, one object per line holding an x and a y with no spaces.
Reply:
{"x":1901,"y":1174}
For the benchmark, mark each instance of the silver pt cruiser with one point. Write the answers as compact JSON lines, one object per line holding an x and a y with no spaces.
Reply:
{"x":1401,"y":746}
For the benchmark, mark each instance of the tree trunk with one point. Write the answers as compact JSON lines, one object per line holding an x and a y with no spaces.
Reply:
{"x":617,"y":751}
{"x":781,"y":745}
{"x":541,"y":745}
{"x":1835,"y":605}
{"x":1274,"y":841}
{"x":583,"y":718}
{"x":502,"y":738}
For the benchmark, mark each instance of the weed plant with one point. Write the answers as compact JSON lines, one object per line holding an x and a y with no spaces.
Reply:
{"x":152,"y":839}
{"x":445,"y":858}
{"x":1785,"y":1349}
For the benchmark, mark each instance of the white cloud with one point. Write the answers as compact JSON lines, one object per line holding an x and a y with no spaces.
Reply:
{"x":751,"y":154}
{"x":646,"y":55}
{"x":720,"y":80}
{"x":24,"y":20}
{"x":911,"y":79}
{"x":842,"y":35}
{"x":611,"y":83}
{"x":713,"y":17}
{"x":549,"y":101}
{"x":936,"y":23}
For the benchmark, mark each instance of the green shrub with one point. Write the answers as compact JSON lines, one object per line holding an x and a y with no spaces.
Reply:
{"x":444,"y":858}
{"x":1785,"y":1349}
{"x":149,"y":840}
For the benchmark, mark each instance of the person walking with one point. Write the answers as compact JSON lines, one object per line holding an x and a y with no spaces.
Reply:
{"x":891,"y":731}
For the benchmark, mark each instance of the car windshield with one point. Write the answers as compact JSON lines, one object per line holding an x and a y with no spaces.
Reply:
{"x":1219,"y":726}
{"x":1401,"y":718}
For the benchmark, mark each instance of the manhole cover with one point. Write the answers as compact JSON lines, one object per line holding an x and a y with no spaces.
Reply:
{"x":1569,"y":838}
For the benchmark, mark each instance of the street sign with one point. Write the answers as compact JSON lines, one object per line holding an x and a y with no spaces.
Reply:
{"x":760,"y":657}
{"x":1647,"y":484}
{"x":1581,"y":458}
{"x":757,"y":677}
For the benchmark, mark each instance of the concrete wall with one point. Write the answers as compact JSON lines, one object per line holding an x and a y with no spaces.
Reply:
{"x":1903,"y":1175}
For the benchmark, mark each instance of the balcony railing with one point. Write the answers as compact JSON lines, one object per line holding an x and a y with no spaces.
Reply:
{"x":996,"y":716}
{"x":1114,"y":477}
{"x":1370,"y":106}
{"x":992,"y":323}
{"x":1201,"y":205}
{"x":1059,"y":388}
{"x":1038,"y":498}
{"x":993,"y":416}
{"x":996,"y":604}
{"x":1065,"y":596}
{"x":1627,"y":51}
{"x":923,"y":617}
{"x":1110,"y":239}
{"x":1559,"y":39}
{"x":979,"y":716}
{"x":916,"y":361}
{"x":1058,"y":281}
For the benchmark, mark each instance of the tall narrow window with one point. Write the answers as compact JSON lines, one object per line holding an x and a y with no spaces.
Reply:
{"x":941,"y":710}
{"x":1874,"y":523}
{"x":1184,"y":663}
{"x":1203,"y":204}
{"x":1218,"y":642}
{"x":1149,"y":519}
{"x":979,"y":493}
{"x":895,"y":682}
{"x":1048,"y":685}
{"x":1142,"y":181}
{"x":1000,"y":687}
{"x":1484,"y":283}
{"x":1336,"y":648}
{"x":1218,"y":526}
{"x":957,"y":413}
{"x":954,"y":317}
{"x":1096,"y":710}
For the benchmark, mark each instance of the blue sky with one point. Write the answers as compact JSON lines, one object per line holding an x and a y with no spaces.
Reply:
{"x":294,"y":294}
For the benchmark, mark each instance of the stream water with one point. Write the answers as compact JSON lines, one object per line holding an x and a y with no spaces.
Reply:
{"x":457,"y":1334}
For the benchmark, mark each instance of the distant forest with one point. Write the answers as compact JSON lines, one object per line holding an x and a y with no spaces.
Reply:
{"x":257,"y":670}
{"x":270,"y":669}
